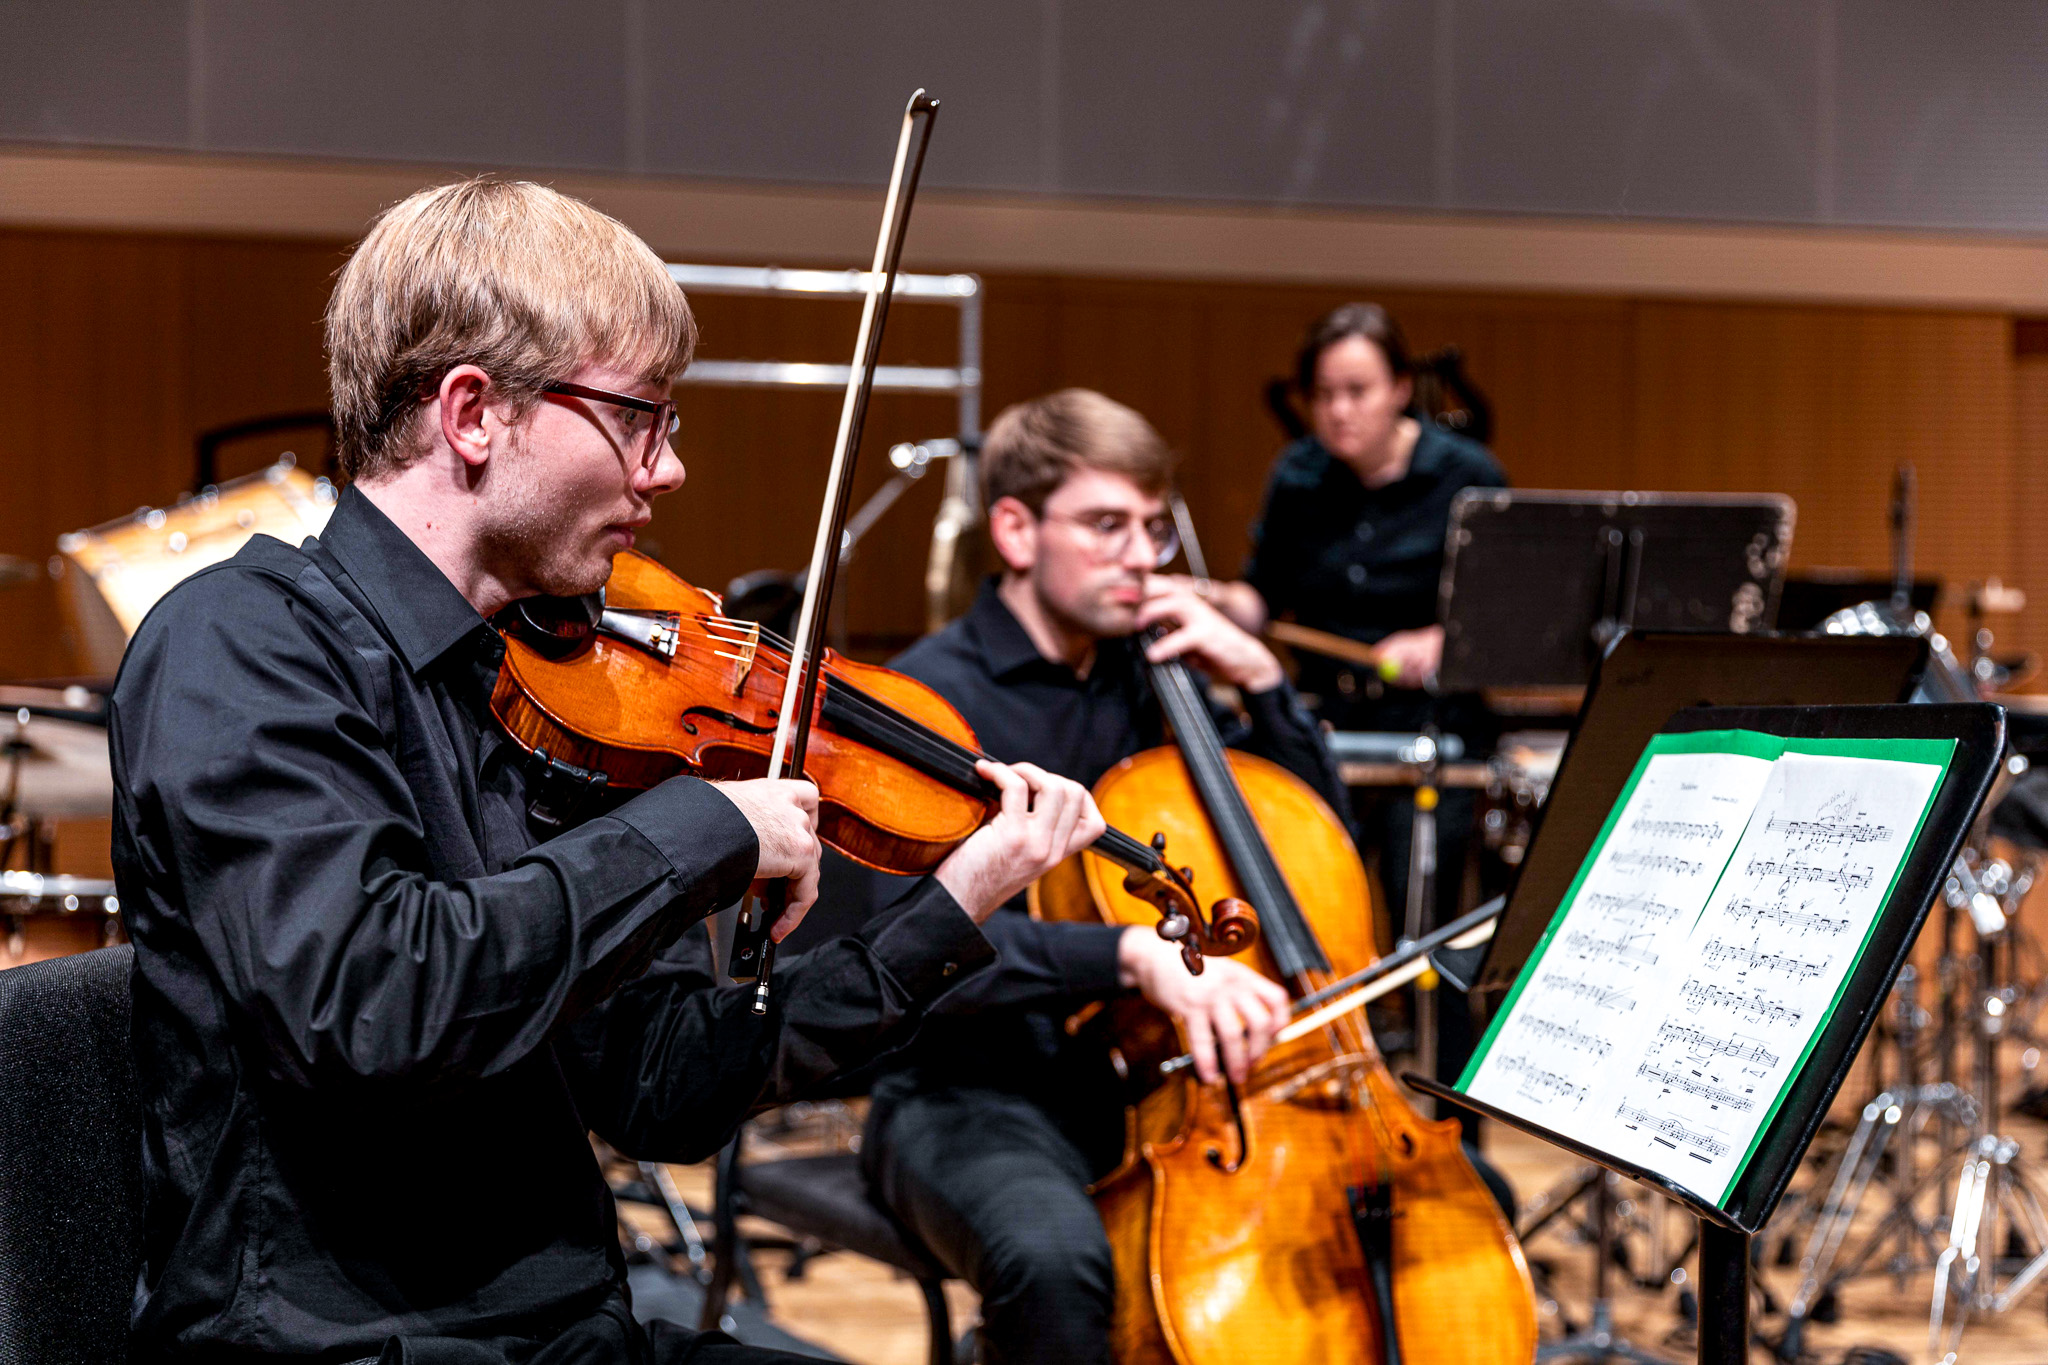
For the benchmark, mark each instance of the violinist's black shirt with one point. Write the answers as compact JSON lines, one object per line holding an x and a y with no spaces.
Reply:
{"x":1003,"y":1029}
{"x":375,"y":1017}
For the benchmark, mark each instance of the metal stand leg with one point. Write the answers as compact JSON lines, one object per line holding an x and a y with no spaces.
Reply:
{"x":1724,"y":1295}
{"x":1598,"y":1341}
{"x":1999,"y":1209}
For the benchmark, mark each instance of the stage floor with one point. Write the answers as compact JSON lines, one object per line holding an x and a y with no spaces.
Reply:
{"x":860,"y":1311}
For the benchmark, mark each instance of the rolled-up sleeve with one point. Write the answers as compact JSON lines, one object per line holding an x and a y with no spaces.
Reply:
{"x":267,"y":810}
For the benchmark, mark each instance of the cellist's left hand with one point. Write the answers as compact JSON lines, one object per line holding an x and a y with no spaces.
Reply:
{"x":1229,"y":1013}
{"x":1205,"y":636}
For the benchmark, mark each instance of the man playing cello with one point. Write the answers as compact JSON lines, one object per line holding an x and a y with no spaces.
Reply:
{"x":987,"y":1129}
{"x":377,"y":1009}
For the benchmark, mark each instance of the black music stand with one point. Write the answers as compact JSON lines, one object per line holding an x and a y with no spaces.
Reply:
{"x":1726,"y":1228}
{"x":1643,"y":681}
{"x":1536,"y":585}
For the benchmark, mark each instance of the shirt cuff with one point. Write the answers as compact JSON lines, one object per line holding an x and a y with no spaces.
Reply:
{"x":1276,"y":708}
{"x":696,"y":827}
{"x":927,"y":942}
{"x":1087,"y":954}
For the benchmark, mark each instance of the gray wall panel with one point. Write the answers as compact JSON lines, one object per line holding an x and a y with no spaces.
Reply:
{"x":1611,"y":107}
{"x":1318,"y":103}
{"x":1892,"y":112}
{"x":518,"y":82}
{"x":93,"y":71}
{"x":809,"y":90}
{"x":1944,"y":115}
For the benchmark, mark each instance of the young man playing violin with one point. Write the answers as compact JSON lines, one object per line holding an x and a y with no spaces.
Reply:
{"x":377,"y":1006}
{"x":986,"y":1130}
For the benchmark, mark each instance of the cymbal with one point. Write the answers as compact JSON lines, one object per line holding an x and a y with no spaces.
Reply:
{"x":14,"y":572}
{"x":64,"y":769}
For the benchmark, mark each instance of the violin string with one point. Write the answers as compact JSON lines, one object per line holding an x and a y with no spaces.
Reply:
{"x":916,"y":740}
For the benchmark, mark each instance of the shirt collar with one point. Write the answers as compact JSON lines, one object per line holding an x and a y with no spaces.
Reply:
{"x":421,"y":610}
{"x":1007,"y":648}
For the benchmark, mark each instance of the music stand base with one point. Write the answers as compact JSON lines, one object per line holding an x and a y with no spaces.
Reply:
{"x":1599,"y":1343}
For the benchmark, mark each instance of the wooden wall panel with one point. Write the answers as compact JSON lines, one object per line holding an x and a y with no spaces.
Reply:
{"x":1824,"y":404}
{"x":115,"y":350}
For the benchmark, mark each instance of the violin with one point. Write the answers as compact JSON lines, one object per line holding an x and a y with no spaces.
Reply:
{"x":1311,"y":1214}
{"x":648,"y":680}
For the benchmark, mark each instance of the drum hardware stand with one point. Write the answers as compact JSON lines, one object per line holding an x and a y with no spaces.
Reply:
{"x":1597,"y":1340}
{"x":1893,"y":1123}
{"x":1995,"y":1183}
{"x":1422,"y":871}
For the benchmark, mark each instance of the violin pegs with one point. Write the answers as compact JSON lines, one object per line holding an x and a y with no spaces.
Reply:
{"x":1159,"y":841}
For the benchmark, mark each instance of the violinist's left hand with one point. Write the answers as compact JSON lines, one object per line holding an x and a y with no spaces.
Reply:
{"x":1205,"y":636}
{"x":1229,"y":1013}
{"x":1044,"y":819}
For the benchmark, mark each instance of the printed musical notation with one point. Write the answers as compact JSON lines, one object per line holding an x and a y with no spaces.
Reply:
{"x":1801,"y":921}
{"x":1704,"y":946}
{"x":1706,"y":830}
{"x":1634,"y":947}
{"x":1746,"y":958}
{"x":1839,"y":823}
{"x":1734,"y":1047}
{"x":1591,"y":992}
{"x":1642,"y":908}
{"x":1568,"y":1036}
{"x":1708,"y":1146}
{"x":1752,"y":1004}
{"x":1659,"y":862}
{"x":1542,"y":1084}
{"x":1693,"y":1085}
{"x":1795,"y":871}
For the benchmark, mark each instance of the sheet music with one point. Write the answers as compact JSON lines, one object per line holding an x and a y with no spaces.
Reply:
{"x":1599,"y":982}
{"x":1666,"y":1040}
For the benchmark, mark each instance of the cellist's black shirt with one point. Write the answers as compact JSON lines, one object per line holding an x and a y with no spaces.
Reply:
{"x":1004,"y":1028}
{"x":375,"y":1016}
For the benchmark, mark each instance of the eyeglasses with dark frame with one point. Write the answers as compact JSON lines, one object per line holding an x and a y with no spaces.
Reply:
{"x":1110,"y":534}
{"x":662,"y":428}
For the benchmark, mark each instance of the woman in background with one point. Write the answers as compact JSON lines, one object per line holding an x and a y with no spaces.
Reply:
{"x":1351,"y":540}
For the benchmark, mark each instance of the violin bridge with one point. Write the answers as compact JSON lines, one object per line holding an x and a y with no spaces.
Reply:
{"x":741,"y":641}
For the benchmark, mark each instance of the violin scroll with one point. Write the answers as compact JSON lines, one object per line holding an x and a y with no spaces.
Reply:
{"x":1231,"y":926}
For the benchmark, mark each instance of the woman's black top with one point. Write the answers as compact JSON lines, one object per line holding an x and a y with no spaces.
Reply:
{"x":1362,"y":562}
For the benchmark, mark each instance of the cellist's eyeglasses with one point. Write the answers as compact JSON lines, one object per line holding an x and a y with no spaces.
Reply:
{"x":647,"y":423}
{"x":1109,"y":534}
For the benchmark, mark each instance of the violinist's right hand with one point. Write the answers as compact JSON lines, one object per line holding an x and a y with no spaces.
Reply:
{"x":1044,"y":819}
{"x":784,"y":815}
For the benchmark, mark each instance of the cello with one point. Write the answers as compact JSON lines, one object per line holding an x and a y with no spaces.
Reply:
{"x":1312,"y":1214}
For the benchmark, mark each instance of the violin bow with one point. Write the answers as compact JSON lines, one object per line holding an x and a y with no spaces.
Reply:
{"x":752,"y":954}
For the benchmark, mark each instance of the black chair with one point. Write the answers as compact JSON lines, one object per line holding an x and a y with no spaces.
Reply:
{"x":824,"y":1198}
{"x":70,"y":1160}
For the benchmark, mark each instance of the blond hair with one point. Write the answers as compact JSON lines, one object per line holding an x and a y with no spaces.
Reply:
{"x":1032,"y":448}
{"x":522,"y":281}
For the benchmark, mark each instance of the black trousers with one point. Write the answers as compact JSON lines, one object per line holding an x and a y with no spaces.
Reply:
{"x":609,"y":1336}
{"x":991,"y":1185}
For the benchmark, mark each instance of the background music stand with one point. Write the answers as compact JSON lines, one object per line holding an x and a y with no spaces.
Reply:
{"x":1537,"y":584}
{"x":1979,"y":732}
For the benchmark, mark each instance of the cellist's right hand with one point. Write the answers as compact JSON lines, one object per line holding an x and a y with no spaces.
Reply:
{"x":1043,"y":820}
{"x":1229,"y":1013}
{"x":784,"y":815}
